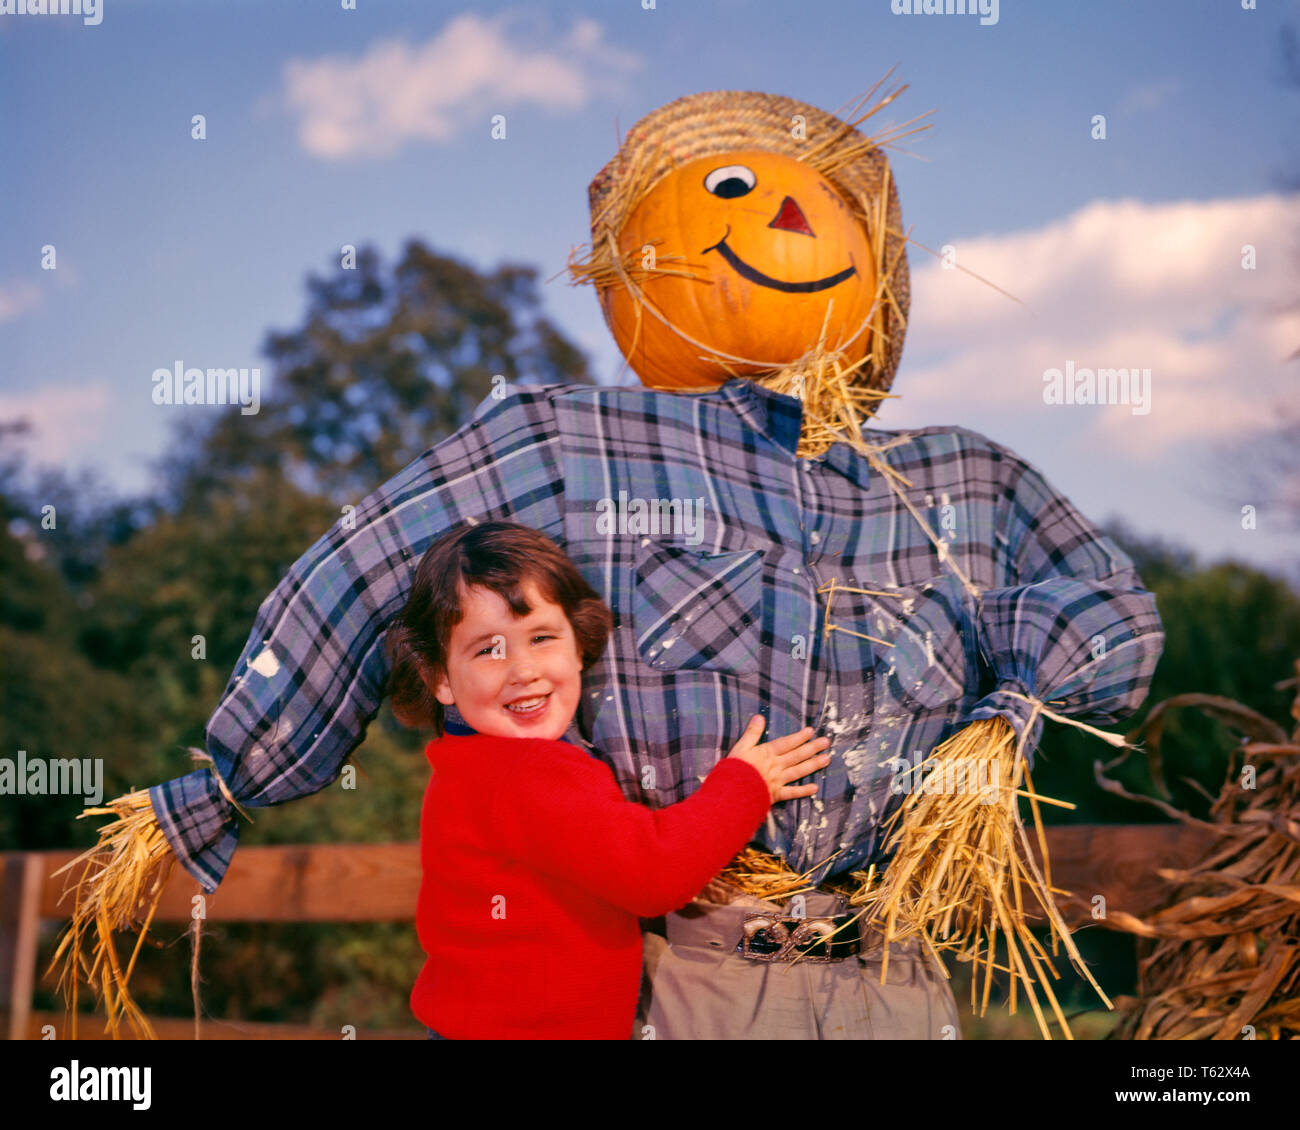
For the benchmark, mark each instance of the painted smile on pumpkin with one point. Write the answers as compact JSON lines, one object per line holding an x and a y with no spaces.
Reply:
{"x":756,"y":276}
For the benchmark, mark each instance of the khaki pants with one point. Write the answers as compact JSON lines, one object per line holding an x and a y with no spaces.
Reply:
{"x":696,"y":987}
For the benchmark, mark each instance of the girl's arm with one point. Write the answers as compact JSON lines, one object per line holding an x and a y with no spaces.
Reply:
{"x":561,"y":812}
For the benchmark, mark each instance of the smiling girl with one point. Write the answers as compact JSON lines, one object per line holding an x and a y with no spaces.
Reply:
{"x":535,"y":868}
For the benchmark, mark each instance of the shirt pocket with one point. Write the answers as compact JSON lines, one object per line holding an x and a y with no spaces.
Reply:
{"x":697,"y":611}
{"x":921,"y":639}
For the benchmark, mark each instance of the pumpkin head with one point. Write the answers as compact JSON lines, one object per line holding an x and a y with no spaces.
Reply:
{"x":761,"y":254}
{"x":737,"y":233}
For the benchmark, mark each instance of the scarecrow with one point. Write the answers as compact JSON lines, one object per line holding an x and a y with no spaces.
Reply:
{"x":919,"y":594}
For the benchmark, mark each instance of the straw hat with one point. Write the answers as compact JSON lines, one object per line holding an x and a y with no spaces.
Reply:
{"x":721,"y":121}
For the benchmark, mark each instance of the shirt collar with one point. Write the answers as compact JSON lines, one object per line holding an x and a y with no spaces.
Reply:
{"x":780,"y":418}
{"x":773,"y":414}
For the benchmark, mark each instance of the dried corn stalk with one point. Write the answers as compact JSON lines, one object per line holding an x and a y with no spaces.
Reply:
{"x":1223,"y":958}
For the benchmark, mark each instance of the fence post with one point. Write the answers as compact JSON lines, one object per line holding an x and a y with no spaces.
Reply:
{"x":21,"y":882}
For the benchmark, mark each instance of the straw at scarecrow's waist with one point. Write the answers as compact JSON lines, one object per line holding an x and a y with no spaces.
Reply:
{"x":758,"y":873}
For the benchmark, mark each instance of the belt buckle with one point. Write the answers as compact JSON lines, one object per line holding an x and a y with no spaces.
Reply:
{"x":775,"y":937}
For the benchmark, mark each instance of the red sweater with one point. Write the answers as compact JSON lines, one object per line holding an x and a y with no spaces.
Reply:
{"x":535,"y":870}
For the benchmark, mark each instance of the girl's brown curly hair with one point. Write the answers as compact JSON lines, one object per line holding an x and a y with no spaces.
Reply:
{"x":501,"y":557}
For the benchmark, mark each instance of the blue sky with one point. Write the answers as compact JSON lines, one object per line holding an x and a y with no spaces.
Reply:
{"x":328,"y":126}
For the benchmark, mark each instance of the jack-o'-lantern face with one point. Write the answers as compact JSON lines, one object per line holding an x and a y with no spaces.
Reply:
{"x":772,"y":246}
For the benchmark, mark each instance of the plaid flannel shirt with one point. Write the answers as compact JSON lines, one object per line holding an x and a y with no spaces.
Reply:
{"x":716,"y":618}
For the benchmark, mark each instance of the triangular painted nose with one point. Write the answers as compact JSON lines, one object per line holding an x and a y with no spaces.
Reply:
{"x":791,"y":218}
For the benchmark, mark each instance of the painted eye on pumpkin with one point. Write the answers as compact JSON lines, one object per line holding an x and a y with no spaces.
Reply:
{"x":730,"y":181}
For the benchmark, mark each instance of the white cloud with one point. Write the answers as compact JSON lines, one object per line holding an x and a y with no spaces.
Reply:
{"x":66,"y":421}
{"x":17,"y":298}
{"x":397,"y":92}
{"x":1117,"y":284}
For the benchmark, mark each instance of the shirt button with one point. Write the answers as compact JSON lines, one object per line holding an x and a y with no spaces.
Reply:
{"x":814,"y":537}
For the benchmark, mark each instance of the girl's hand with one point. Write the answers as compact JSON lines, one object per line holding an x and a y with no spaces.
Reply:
{"x":784,"y":759}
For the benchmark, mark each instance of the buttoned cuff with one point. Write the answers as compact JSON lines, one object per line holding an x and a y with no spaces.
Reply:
{"x":1002,"y":703}
{"x":199,"y":824}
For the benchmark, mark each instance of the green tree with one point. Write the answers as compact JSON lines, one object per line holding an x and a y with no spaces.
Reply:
{"x":385,"y":364}
{"x":56,"y":702}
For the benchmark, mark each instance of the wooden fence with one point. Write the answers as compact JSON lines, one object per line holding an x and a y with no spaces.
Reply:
{"x":380,"y":883}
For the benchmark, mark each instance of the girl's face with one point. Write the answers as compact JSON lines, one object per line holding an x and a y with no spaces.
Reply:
{"x":512,"y":676}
